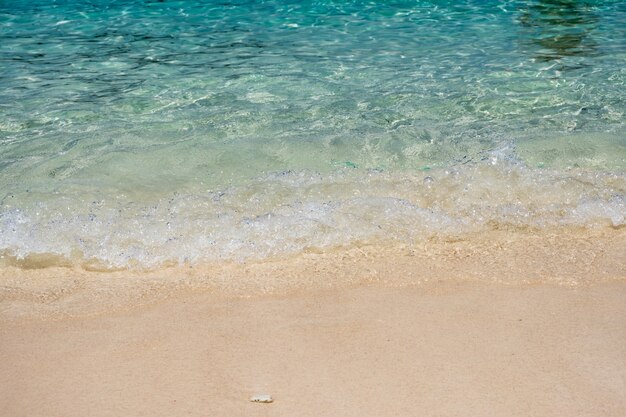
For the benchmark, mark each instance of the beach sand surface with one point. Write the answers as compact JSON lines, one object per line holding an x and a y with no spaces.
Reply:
{"x":438,"y":347}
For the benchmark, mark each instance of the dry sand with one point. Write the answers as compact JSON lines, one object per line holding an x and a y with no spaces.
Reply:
{"x":424,"y":346}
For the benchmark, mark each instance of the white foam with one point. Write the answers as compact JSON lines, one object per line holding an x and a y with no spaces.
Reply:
{"x":288,"y":212}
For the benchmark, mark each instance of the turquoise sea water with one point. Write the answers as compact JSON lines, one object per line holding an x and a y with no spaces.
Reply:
{"x":139,"y":133}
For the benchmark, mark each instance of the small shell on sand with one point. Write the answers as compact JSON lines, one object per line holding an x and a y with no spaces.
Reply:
{"x":262,"y":398}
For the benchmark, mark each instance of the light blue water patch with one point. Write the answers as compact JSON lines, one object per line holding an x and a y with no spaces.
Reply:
{"x":121,"y":106}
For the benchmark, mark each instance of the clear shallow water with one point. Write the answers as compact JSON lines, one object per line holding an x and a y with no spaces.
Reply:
{"x":141,"y":133}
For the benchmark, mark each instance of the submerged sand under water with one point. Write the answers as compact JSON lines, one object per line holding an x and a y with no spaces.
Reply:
{"x":358,"y":209}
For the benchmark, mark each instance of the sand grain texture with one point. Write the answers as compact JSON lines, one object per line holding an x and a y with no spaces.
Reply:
{"x":449,"y":349}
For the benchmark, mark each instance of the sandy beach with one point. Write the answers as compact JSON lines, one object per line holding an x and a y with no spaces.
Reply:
{"x":404,"y":336}
{"x":444,"y":350}
{"x":345,"y":208}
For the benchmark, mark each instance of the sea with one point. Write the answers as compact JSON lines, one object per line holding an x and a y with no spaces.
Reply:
{"x":136,"y":134}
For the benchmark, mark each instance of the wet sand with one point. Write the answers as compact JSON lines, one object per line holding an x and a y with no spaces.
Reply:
{"x":392,"y":341}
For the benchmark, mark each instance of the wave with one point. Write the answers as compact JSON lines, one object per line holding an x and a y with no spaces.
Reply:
{"x":288,"y":212}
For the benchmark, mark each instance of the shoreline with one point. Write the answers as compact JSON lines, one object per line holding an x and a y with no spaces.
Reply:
{"x":566,"y":257}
